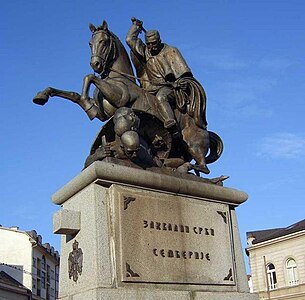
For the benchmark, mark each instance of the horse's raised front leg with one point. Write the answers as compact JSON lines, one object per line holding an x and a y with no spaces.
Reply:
{"x":86,"y":86}
{"x":88,"y":105}
{"x":115,"y":92}
{"x":115,"y":95}
{"x":42,"y":97}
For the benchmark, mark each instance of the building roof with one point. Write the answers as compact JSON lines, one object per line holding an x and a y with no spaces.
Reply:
{"x":7,"y":279}
{"x":269,"y":234}
{"x":10,"y":284}
{"x":37,"y":240}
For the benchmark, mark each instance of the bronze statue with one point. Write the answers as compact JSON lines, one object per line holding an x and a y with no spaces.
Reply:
{"x":158,"y":65}
{"x":161,"y":69}
{"x":159,"y":124}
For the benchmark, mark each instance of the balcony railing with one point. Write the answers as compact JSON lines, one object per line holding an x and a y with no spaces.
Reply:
{"x":272,"y":286}
{"x":293,"y":282}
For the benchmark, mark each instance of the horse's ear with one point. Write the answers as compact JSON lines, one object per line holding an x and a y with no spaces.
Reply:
{"x":92,"y":28}
{"x":104,"y":25}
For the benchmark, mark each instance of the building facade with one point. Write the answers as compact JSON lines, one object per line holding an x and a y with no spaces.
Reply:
{"x":29,"y":262}
{"x":277,"y":262}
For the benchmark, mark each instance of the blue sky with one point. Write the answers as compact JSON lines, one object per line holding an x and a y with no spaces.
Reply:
{"x":249,"y":56}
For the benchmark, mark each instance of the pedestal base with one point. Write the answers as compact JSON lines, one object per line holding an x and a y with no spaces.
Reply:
{"x":153,"y":294}
{"x":135,"y":234}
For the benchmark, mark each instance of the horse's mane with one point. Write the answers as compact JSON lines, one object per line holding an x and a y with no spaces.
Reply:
{"x":120,"y":49}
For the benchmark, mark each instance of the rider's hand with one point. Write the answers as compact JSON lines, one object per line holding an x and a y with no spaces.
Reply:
{"x":104,"y":151}
{"x":179,"y":85}
{"x":183,"y":86}
{"x":137,"y":22}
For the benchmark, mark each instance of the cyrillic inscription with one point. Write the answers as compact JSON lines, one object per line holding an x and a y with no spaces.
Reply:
{"x":178,"y":228}
{"x":172,"y":239}
{"x":181,"y":254}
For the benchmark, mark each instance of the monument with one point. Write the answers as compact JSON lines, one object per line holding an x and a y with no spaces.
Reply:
{"x":139,"y":222}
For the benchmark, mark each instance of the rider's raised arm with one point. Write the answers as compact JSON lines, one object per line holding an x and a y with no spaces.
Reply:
{"x":134,"y":42}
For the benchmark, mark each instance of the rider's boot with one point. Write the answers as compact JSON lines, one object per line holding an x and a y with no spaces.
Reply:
{"x":167,"y":115}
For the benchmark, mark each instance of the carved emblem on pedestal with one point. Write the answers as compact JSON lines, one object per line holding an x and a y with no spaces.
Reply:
{"x":229,"y":276}
{"x":75,"y":262}
{"x":224,"y":215}
{"x":127,"y":201}
{"x":130,"y":273}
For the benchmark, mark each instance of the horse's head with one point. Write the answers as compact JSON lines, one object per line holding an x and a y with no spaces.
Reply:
{"x":103,"y":48}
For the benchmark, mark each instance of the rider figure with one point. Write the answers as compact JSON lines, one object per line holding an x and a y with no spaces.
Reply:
{"x":159,"y":66}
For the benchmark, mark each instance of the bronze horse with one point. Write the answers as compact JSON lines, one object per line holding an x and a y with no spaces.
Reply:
{"x":115,"y":87}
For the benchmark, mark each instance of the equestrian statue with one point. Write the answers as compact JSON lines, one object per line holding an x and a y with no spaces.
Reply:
{"x":155,"y":120}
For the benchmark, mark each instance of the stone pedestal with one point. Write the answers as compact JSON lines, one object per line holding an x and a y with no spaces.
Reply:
{"x":135,"y":234}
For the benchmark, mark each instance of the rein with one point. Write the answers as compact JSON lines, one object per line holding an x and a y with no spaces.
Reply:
{"x":135,"y":77}
{"x":127,"y":75}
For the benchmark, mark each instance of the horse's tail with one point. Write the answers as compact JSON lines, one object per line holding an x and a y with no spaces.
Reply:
{"x":216,"y":147}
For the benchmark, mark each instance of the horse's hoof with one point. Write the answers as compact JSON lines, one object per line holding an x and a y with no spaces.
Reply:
{"x":41,"y":98}
{"x":204,"y":169}
{"x":201,"y":168}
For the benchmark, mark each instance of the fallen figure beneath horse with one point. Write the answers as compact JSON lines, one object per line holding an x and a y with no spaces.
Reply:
{"x":157,"y":124}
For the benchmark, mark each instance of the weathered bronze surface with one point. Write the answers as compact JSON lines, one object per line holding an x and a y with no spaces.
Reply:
{"x":159,"y":123}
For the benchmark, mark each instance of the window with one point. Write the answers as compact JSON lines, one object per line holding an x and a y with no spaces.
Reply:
{"x":33,"y":283}
{"x":38,"y":287}
{"x":52,"y":274}
{"x":38,"y":267}
{"x":34,"y":262}
{"x":43,"y":279}
{"x":292,"y":275}
{"x":271,"y":276}
{"x":48,"y":293}
{"x":38,"y":263}
{"x":48,"y":274}
{"x":43,"y":262}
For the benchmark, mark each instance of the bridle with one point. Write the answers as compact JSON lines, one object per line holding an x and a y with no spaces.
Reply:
{"x":112,"y":50}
